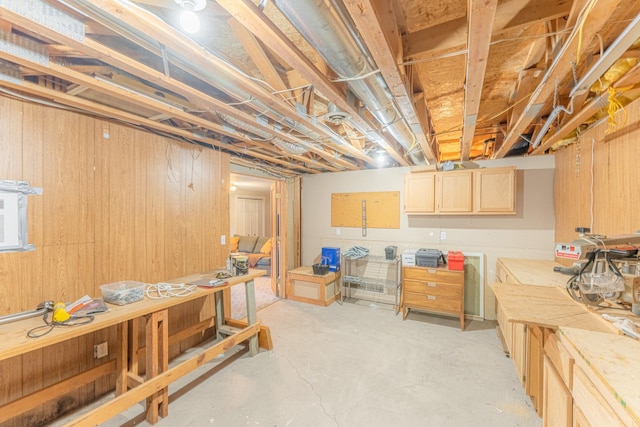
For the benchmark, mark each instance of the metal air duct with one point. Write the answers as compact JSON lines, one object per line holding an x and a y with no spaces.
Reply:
{"x":318,"y":24}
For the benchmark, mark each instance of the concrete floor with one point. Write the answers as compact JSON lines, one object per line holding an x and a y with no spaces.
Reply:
{"x":355,"y":364}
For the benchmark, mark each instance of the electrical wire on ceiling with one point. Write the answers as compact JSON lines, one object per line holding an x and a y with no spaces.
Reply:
{"x":356,"y":77}
{"x":533,"y":36}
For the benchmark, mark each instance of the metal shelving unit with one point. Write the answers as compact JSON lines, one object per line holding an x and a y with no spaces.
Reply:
{"x":374,"y":278}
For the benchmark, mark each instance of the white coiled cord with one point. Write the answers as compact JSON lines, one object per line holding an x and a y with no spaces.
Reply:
{"x":169,"y":290}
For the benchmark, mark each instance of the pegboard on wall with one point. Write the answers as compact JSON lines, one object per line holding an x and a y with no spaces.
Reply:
{"x":366,"y":210}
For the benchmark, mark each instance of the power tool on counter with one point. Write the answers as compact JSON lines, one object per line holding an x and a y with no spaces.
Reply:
{"x":597,"y":273}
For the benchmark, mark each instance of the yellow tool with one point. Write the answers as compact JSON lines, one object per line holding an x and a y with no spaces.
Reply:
{"x":60,"y":315}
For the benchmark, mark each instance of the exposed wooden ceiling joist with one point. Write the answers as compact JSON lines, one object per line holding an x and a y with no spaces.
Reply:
{"x":480,"y":14}
{"x":577,"y":44}
{"x":380,"y":41}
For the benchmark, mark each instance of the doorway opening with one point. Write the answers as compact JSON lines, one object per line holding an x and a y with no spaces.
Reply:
{"x":254,"y":212}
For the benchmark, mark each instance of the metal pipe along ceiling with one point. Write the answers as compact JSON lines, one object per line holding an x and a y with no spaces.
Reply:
{"x":318,"y":24}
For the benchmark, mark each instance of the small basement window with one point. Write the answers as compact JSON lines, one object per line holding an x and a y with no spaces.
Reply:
{"x":13,"y":215}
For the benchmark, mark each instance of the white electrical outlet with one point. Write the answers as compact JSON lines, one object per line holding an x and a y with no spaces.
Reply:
{"x":223,"y":239}
{"x":443,"y":235}
{"x":100,"y":350}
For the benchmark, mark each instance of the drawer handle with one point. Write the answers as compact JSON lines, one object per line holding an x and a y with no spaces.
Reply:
{"x":431,"y":297}
{"x":431,"y":271}
{"x":433,"y":284}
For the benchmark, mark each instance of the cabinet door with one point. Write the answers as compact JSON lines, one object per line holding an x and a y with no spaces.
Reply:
{"x":495,"y":190}
{"x":419,"y":193}
{"x":519,"y":351}
{"x":454,"y":191}
{"x":593,"y":405}
{"x":557,"y":400}
{"x":534,"y":367}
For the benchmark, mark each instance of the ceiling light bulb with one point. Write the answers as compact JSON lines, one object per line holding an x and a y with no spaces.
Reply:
{"x":189,"y":21}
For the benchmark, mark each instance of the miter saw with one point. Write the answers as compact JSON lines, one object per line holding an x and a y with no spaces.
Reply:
{"x":595,"y":274}
{"x":580,"y":248}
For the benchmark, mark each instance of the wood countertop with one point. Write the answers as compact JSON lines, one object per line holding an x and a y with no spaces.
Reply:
{"x":534,"y":271}
{"x":614,"y":360}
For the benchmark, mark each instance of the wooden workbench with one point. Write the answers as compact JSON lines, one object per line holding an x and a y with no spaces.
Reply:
{"x":130,"y":386}
{"x":545,"y":330}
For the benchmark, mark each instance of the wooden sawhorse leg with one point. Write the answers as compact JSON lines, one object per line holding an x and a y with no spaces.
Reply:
{"x":157,"y":354}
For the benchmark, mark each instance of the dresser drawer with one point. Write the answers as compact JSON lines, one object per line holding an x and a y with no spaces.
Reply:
{"x":430,"y":301}
{"x":433,"y":288}
{"x":433,"y":275}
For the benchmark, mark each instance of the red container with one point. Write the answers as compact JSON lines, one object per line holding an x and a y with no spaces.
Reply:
{"x":455,"y":260}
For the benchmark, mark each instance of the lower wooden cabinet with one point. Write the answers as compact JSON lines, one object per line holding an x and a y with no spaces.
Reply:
{"x":557,"y":400}
{"x":434,"y":290}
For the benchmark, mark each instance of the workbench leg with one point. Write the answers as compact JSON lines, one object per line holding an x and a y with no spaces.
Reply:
{"x":219,"y":303}
{"x":134,"y":346}
{"x":122,"y":358}
{"x":157,"y":349}
{"x":252,"y":316}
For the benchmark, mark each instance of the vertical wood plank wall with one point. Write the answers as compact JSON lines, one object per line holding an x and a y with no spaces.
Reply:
{"x":118,"y":204}
{"x":616,"y":180}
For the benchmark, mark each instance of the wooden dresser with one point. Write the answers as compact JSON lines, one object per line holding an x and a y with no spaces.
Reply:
{"x":433,"y":289}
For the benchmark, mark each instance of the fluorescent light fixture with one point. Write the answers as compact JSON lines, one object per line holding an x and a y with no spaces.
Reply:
{"x":611,"y":55}
{"x":189,"y":21}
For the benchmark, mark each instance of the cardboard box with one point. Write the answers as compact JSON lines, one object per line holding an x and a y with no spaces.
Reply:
{"x":409,"y":258}
{"x":331,"y":256}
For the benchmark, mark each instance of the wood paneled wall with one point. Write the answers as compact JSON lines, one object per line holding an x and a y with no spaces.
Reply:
{"x":614,"y":195}
{"x":118,"y":204}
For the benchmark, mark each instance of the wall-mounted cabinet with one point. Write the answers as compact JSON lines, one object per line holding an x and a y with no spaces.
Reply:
{"x":495,"y":190}
{"x":421,"y":187}
{"x":489,"y":191}
{"x":454,"y":192}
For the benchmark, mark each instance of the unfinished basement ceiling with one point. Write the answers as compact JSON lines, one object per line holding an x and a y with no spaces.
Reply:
{"x":307,"y":86}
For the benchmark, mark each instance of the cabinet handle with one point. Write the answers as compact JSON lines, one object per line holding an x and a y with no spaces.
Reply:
{"x":431,"y":297}
{"x":431,"y":271}
{"x":432,"y":284}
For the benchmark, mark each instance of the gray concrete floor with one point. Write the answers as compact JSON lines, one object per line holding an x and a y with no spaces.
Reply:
{"x":355,"y":364}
